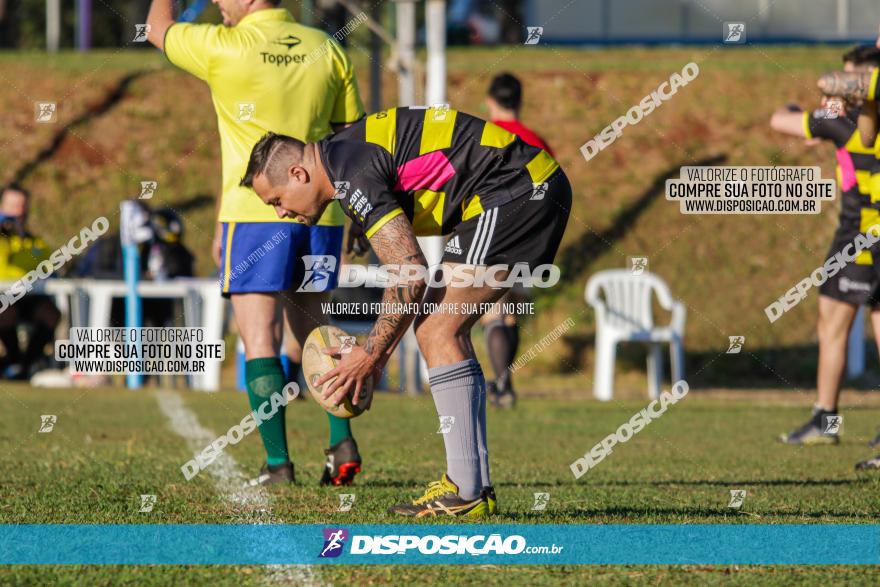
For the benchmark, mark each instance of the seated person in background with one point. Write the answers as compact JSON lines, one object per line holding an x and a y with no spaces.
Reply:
{"x":162,"y":256}
{"x":20,"y":253}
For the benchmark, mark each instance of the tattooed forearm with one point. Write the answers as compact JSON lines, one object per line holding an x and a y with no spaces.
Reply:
{"x":867,"y":125}
{"x":849,"y":85}
{"x":396,"y":245}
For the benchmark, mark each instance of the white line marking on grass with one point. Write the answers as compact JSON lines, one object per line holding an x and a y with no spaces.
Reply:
{"x":229,"y":481}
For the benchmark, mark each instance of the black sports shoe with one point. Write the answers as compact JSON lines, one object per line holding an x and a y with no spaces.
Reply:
{"x":343,"y":463}
{"x":869,"y":464}
{"x":876,"y":441}
{"x":272,"y":474}
{"x":814,"y":431}
{"x":501,"y":396}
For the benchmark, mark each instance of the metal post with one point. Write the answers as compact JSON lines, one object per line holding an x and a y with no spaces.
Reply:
{"x":53,"y":25}
{"x":376,"y":62}
{"x":435,"y":93}
{"x":855,"y":352}
{"x":307,"y":12}
{"x":435,"y":20}
{"x":842,"y":18}
{"x":406,"y":42}
{"x":84,"y":24}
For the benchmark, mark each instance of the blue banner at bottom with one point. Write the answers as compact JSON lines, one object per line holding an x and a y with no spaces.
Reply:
{"x":218,"y":544}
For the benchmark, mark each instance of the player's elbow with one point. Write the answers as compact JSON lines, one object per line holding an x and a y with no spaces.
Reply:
{"x":416,"y":287}
{"x":420,"y":289}
{"x":776,"y":121}
{"x":786,"y":123}
{"x":157,"y":28}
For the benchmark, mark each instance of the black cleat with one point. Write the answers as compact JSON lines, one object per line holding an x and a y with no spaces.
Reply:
{"x":343,"y":463}
{"x":272,"y":474}
{"x":876,"y":442}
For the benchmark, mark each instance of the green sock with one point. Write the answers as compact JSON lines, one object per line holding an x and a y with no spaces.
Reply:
{"x":265,"y":377}
{"x":340,"y":429}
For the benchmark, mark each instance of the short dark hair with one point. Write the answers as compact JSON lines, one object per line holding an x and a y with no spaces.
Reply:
{"x":506,"y":89}
{"x":265,"y":158}
{"x":863,"y":54}
{"x":16,"y":187}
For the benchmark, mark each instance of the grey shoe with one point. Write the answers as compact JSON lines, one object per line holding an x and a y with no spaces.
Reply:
{"x":813,"y":432}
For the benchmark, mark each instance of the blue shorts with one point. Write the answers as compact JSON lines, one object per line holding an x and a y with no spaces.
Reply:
{"x":264,"y":257}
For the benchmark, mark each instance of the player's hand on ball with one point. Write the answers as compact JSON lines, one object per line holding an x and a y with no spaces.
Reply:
{"x":353,"y":371}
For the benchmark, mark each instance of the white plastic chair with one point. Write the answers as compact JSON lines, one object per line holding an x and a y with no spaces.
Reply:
{"x":622,"y":301}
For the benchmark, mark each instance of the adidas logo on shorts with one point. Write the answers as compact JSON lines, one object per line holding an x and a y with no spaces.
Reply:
{"x":454,"y":246}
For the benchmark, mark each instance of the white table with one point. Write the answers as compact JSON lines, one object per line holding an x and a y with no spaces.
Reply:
{"x":202,"y":303}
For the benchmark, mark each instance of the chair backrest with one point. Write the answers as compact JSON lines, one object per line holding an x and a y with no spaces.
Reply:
{"x":626,"y":298}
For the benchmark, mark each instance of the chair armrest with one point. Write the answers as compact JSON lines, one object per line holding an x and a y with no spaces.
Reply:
{"x":664,"y":296}
{"x":591,"y":294}
{"x":679,"y":314}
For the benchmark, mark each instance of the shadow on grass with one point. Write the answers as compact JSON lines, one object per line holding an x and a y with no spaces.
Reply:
{"x":736,"y":482}
{"x":575,"y":258}
{"x":640,"y":513}
{"x":789,"y":368}
{"x":110,"y":100}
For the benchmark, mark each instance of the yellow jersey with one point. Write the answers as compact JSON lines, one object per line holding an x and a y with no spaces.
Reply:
{"x":267,"y":73}
{"x":20,"y":255}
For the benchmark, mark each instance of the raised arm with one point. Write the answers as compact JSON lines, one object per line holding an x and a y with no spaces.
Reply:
{"x":788,"y":121}
{"x":853,"y":86}
{"x":868,"y":123}
{"x":159,"y":19}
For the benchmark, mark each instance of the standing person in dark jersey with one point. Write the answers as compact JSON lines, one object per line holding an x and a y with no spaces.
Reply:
{"x":856,"y":283}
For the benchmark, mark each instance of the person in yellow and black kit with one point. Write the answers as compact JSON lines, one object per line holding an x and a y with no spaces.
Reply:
{"x":20,"y":253}
{"x":856,"y":283}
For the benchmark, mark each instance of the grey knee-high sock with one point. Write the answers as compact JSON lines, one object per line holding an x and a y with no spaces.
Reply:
{"x":458,"y":391}
{"x":482,"y":447}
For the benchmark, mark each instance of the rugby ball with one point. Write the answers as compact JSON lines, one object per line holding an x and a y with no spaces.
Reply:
{"x":315,"y":363}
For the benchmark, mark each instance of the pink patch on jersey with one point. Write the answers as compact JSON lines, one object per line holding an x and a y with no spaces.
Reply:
{"x":847,"y":169}
{"x":429,"y":171}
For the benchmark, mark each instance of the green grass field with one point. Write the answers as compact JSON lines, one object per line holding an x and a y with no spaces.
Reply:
{"x":110,"y":446}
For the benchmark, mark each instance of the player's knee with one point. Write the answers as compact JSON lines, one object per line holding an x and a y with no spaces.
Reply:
{"x":259,"y":343}
{"x":434,"y":329}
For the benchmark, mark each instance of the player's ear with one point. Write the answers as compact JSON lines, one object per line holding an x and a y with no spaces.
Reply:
{"x":298,"y":174}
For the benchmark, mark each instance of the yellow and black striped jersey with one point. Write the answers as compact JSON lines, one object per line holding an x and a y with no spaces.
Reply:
{"x":436,"y":165}
{"x":854,"y":164}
